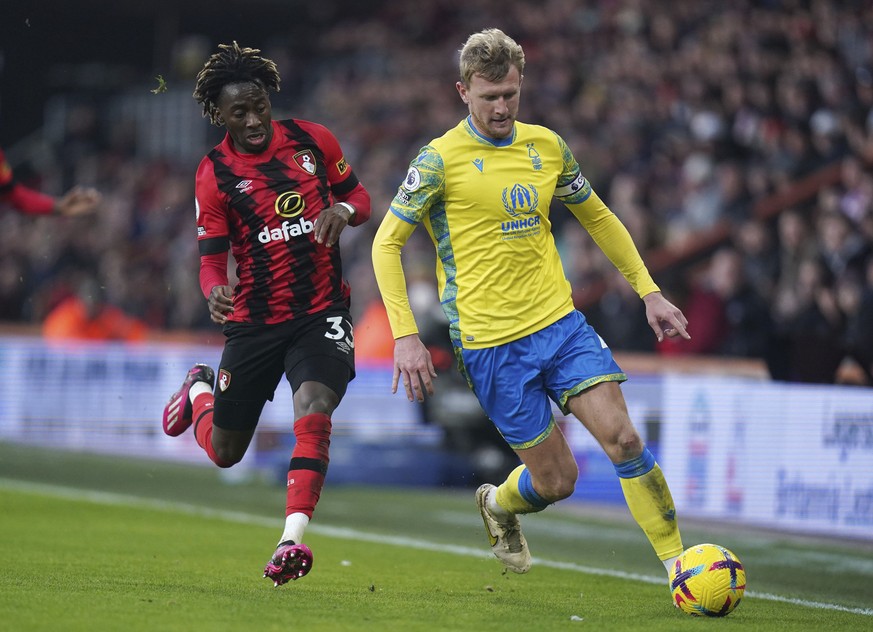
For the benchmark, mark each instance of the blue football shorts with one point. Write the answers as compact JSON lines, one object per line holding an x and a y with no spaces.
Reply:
{"x":515,"y":381}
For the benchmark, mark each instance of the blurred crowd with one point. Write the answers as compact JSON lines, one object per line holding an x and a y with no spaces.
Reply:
{"x":690,"y":118}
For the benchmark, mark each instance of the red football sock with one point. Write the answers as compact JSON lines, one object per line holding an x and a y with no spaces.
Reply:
{"x":308,"y":463}
{"x":203,"y":426}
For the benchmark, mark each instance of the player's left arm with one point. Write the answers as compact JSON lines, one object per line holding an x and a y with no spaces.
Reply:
{"x":613,"y":238}
{"x":352,"y":201}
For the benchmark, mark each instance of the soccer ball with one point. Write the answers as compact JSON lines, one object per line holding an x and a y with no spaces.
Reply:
{"x":707,"y":580}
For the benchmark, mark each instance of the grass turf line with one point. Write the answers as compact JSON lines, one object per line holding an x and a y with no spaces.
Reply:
{"x":74,"y":563}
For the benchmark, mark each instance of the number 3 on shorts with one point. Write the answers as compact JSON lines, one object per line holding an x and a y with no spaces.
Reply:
{"x":336,"y":331}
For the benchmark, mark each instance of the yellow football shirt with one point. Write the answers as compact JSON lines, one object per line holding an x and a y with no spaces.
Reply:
{"x":485,"y":205}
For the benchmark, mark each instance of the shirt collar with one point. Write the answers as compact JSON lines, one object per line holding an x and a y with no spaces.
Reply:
{"x":496,"y":142}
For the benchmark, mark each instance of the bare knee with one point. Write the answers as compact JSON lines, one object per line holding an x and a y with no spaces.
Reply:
{"x":558,"y":484}
{"x":619,"y":438}
{"x":315,"y":406}
{"x":603,"y":411}
{"x":314,"y":398}
{"x":228,"y":455}
{"x":626,"y":445}
{"x":229,"y":446}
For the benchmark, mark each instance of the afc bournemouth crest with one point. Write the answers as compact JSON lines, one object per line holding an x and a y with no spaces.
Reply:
{"x":223,"y":379}
{"x":306,"y":161}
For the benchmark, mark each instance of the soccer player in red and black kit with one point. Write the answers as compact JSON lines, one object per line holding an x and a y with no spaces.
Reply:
{"x":277,"y":194}
{"x":76,"y":201}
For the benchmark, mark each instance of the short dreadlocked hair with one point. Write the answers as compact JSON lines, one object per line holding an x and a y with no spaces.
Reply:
{"x":232,"y":64}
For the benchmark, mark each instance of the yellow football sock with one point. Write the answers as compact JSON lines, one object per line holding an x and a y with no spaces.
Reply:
{"x":509,"y":493}
{"x":651,"y":505}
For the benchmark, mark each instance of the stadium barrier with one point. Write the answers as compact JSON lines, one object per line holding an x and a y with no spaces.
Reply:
{"x":734,"y":447}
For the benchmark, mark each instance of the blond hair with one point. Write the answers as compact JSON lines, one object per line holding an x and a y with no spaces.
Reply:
{"x":490,"y":53}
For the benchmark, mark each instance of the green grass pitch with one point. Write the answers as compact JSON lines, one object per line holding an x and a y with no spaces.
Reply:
{"x":99,"y":543}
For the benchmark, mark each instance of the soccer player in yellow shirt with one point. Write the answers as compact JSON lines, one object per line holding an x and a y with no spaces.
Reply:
{"x":482,"y":191}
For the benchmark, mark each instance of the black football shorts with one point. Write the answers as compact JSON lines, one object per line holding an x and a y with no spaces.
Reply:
{"x":318,"y":348}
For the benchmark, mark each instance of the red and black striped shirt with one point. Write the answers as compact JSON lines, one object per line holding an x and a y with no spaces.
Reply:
{"x":263,"y":208}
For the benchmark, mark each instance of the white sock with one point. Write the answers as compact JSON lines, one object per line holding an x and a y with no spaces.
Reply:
{"x":668,"y":563}
{"x":295,"y":525}
{"x":496,"y":510}
{"x":197,"y":388}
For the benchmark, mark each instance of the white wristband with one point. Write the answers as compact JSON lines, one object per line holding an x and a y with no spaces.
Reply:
{"x":348,"y":206}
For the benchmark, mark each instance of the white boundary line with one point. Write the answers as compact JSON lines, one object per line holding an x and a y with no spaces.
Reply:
{"x":345,"y":533}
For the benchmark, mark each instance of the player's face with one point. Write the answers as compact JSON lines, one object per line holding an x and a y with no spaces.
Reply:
{"x":493,"y":104}
{"x":244,"y":109}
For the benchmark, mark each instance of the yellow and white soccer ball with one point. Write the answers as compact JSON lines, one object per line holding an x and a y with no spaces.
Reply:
{"x":707,"y":580}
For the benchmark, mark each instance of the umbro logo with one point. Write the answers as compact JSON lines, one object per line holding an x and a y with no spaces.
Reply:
{"x":244,"y":185}
{"x":346,"y":345}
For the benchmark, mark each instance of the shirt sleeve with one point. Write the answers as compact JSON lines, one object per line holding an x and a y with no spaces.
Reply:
{"x":389,"y":240}
{"x":21,"y":197}
{"x":213,"y":272}
{"x":359,"y":198}
{"x":344,"y":184}
{"x":422,"y":187}
{"x":27,"y":200}
{"x":213,"y":229}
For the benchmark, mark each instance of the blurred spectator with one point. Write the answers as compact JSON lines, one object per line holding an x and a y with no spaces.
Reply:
{"x":807,"y":333}
{"x":855,"y":299}
{"x":735,"y":202}
{"x":795,"y":244}
{"x":620,"y":317}
{"x":842,"y":248}
{"x":699,"y":191}
{"x":85,"y":315}
{"x":729,"y":316}
{"x":688,"y":116}
{"x":856,"y":198}
{"x":754,"y":241}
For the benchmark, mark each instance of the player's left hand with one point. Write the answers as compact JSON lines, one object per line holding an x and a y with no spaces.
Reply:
{"x":330,"y":223}
{"x":664,"y":318}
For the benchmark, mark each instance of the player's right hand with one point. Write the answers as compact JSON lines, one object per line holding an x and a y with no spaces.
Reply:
{"x":78,"y":201}
{"x":413,"y":363}
{"x":220,"y":303}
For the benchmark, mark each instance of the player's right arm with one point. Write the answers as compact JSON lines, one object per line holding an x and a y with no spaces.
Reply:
{"x":19,"y":196}
{"x":214,"y":243}
{"x":412,"y":361}
{"x":422,"y":186}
